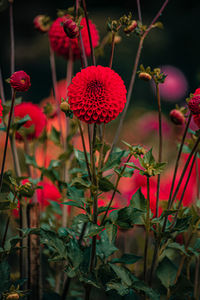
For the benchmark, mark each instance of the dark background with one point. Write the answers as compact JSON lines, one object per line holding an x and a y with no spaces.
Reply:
{"x":177,"y":45}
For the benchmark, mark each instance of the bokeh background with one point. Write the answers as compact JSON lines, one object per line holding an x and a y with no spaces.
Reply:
{"x":176,"y":45}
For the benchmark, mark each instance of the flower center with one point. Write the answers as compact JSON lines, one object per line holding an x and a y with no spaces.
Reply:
{"x":22,"y":81}
{"x":94,"y":90}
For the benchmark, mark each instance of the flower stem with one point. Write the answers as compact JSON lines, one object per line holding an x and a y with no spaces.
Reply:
{"x":160,"y":145}
{"x":12,"y":40}
{"x":184,"y":170}
{"x":7,"y":135}
{"x":115,"y":190}
{"x":134,"y":74}
{"x":89,"y":33}
{"x":55,"y":92}
{"x":139,"y":11}
{"x":147,"y":227}
{"x":101,"y":150}
{"x":84,"y":149}
{"x":2,"y":94}
{"x":112,"y":50}
{"x":196,"y":279}
{"x":5,"y":232}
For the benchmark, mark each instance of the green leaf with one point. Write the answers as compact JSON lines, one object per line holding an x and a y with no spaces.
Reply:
{"x":105,"y":247}
{"x":105,"y":185}
{"x":128,"y":216}
{"x":73,"y":203}
{"x":79,"y":183}
{"x":93,"y":229}
{"x":166,"y":272}
{"x":30,"y":160}
{"x":111,"y":230}
{"x":177,"y":246}
{"x":138,"y":200}
{"x":55,"y":136}
{"x":123,"y":274}
{"x":121,"y":289}
{"x":141,"y":286}
{"x":126,"y":258}
{"x":182,"y":224}
{"x":19,"y":123}
{"x":115,"y":158}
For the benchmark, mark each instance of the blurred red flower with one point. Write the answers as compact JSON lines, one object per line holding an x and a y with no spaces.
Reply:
{"x":35,"y":125}
{"x":61,"y":44}
{"x":1,"y":111}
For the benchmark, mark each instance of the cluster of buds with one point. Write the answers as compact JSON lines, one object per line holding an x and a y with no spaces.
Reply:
{"x":126,"y":22}
{"x":148,"y":74}
{"x":177,"y":115}
{"x":42,"y":23}
{"x":136,"y":151}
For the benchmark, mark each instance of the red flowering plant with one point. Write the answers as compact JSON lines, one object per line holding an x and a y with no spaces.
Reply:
{"x":83,"y":216}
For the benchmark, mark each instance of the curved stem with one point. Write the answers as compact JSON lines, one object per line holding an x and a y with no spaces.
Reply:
{"x":7,"y":135}
{"x":89,"y":33}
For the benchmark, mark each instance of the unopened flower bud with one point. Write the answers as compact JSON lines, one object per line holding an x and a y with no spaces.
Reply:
{"x":177,"y":117}
{"x":42,"y":23}
{"x":64,"y":106}
{"x":117,"y":39}
{"x":130,"y":28}
{"x":13,"y":296}
{"x":145,"y":76}
{"x":70,"y":28}
{"x":20,"y":81}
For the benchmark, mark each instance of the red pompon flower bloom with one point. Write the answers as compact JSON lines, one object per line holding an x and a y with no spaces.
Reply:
{"x":194,"y":104}
{"x":1,"y":110}
{"x":97,"y":95}
{"x":177,"y":117}
{"x":20,"y":81}
{"x":34,"y":127}
{"x":196,"y":119}
{"x":60,"y":43}
{"x":197,"y":91}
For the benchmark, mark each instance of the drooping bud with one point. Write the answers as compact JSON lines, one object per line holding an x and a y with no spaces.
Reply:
{"x":117,"y":39}
{"x":70,"y":28}
{"x":177,"y":117}
{"x":130,"y":28}
{"x":42,"y":23}
{"x":145,"y":76}
{"x":194,"y":104}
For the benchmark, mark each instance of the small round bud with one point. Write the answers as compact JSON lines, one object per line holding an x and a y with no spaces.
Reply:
{"x":130,"y":28}
{"x":42,"y":23}
{"x":145,"y":76}
{"x":20,"y":81}
{"x":13,"y":296}
{"x":64,"y":106}
{"x":117,"y":39}
{"x":70,"y":28}
{"x":177,"y":117}
{"x":194,"y":104}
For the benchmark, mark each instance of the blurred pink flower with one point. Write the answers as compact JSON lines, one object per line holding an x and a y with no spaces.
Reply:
{"x":175,"y":86}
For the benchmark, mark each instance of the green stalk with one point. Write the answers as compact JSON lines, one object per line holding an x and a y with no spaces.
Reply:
{"x":147,"y":228}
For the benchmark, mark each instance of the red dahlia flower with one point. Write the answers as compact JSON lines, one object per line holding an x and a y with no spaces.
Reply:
{"x":194,"y":104}
{"x":49,"y":193}
{"x":34,"y":126}
{"x":60,"y":43}
{"x":20,"y":81}
{"x":1,"y":110}
{"x":97,"y":95}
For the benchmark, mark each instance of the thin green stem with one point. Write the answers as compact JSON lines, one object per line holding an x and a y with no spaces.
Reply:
{"x":12,"y":40}
{"x":160,"y":144}
{"x":2,"y":94}
{"x":101,"y":150}
{"x":7,"y":135}
{"x":89,"y":33}
{"x":115,"y":190}
{"x":147,"y":227}
{"x":84,"y":149}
